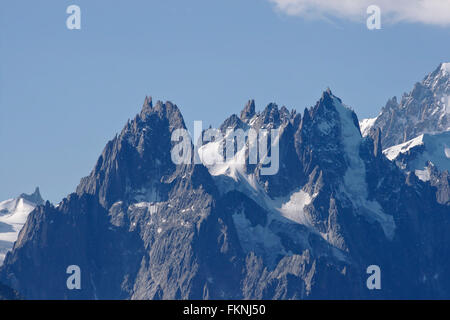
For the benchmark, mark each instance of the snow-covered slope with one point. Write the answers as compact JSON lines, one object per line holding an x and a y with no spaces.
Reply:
{"x":355,"y":184}
{"x":446,"y":67}
{"x":414,"y":154}
{"x":393,"y":152}
{"x":365,"y":125}
{"x":13,"y":215}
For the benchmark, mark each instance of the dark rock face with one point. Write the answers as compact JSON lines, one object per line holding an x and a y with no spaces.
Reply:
{"x":138,"y":158}
{"x":441,"y":180}
{"x":141,"y":227}
{"x":6,"y":293}
{"x":249,"y":111}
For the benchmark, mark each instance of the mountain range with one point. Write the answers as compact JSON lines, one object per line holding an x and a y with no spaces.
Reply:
{"x":347,"y":195}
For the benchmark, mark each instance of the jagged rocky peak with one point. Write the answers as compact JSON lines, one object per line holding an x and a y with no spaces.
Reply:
{"x":426,"y":109}
{"x":167,"y":110}
{"x":436,"y":83}
{"x":148,"y":103}
{"x":249,"y":111}
{"x":271,"y":117}
{"x":326,"y":101}
{"x":271,"y":114}
{"x":439,"y":78}
{"x":328,"y":112}
{"x":138,"y":157}
{"x":6,"y":293}
{"x":285,"y":115}
{"x":154,"y":120}
{"x":329,"y":142}
{"x":233,"y":122}
{"x":391,"y":104}
{"x":34,"y":198}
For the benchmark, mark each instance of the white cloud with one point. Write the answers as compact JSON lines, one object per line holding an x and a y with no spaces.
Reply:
{"x":436,"y":12}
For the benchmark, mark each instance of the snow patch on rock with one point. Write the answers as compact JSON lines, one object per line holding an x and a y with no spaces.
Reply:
{"x":446,"y":67}
{"x":393,"y":152}
{"x":294,"y":208}
{"x":366,"y":124}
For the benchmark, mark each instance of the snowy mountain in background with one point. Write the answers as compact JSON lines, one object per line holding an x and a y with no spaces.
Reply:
{"x":13,"y":215}
{"x":426,"y":109}
{"x":416,"y":153}
{"x":365,"y":125}
{"x":428,"y":157}
{"x":6,"y":293}
{"x":416,"y":131}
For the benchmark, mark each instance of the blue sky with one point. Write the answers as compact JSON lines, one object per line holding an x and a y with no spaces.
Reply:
{"x":65,"y":93}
